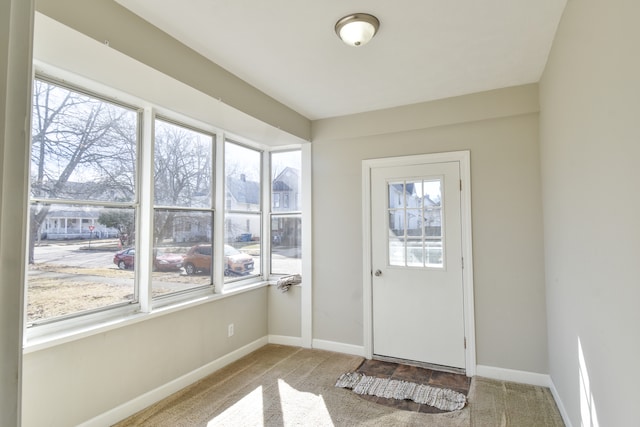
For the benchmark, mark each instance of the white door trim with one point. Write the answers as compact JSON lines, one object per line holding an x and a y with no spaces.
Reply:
{"x":463,"y":157}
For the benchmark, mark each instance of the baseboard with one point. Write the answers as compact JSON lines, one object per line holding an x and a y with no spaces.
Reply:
{"x":560,"y":405}
{"x":137,"y":404}
{"x":338,"y":347}
{"x":285,"y":340}
{"x":513,"y":375}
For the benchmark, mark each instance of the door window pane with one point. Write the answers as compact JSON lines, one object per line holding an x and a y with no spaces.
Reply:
{"x":415,"y":223}
{"x":396,"y":195}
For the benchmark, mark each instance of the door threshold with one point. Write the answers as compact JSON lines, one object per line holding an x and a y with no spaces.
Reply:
{"x":426,"y":365}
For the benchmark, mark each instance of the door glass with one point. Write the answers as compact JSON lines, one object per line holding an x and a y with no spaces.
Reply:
{"x":415,"y":223}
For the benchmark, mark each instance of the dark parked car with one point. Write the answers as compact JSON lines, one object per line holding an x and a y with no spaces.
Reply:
{"x":198,"y":258}
{"x":125,"y":258}
{"x":161,"y":261}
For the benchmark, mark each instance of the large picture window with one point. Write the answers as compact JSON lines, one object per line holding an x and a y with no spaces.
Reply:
{"x":123,"y":220}
{"x":83,"y":202}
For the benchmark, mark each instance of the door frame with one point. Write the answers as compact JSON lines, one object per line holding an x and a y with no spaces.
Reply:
{"x":464,"y":159}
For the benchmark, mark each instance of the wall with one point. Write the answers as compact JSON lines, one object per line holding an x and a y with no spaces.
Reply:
{"x":590,"y":146}
{"x":500,"y":128}
{"x":74,"y":382}
{"x":16,"y":20}
{"x":284,"y":309}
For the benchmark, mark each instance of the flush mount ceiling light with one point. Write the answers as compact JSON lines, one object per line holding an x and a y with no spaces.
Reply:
{"x":357,"y":29}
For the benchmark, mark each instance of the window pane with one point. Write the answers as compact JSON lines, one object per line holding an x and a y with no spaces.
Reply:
{"x":415,"y":253}
{"x":286,"y":181}
{"x":432,"y":201}
{"x":242,"y":245}
{"x":242,"y":172}
{"x":397,"y":252}
{"x":286,"y":245}
{"x":432,"y":208}
{"x":396,"y":195}
{"x":182,"y":165}
{"x":415,"y":223}
{"x":83,"y":148}
{"x":433,"y":248}
{"x":182,"y":250}
{"x":74,"y":259}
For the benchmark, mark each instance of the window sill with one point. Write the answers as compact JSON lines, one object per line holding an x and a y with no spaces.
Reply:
{"x":77,"y":332}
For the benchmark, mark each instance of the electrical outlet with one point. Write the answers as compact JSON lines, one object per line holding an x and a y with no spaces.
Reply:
{"x":230,"y":330}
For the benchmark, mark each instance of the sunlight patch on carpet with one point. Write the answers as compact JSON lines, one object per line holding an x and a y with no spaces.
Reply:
{"x":249,"y":409}
{"x":295,"y":402}
{"x":441,"y":398}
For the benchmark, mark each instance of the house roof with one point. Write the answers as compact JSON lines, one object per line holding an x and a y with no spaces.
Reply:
{"x":287,"y":180}
{"x":243,"y":191}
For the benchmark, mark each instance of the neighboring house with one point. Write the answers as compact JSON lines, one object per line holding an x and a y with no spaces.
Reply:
{"x":285,"y":191}
{"x":67,"y":222}
{"x":242,"y":196}
{"x":73,"y":222}
{"x":413,"y":218}
{"x":285,"y":197}
{"x":190,"y":228}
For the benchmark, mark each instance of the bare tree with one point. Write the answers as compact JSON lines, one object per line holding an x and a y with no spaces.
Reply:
{"x":182,"y":173}
{"x":82,"y":148}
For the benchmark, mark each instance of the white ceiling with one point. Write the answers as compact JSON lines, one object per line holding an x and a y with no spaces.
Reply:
{"x":425,"y":49}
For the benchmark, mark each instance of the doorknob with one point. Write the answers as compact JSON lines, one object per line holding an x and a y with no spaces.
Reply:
{"x":378,"y":273}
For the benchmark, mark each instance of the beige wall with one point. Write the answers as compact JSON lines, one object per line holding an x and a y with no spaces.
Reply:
{"x":74,"y":382}
{"x":500,"y":128}
{"x":284,"y":310}
{"x":590,"y":145}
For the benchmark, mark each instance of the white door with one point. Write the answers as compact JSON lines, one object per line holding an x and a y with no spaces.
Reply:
{"x":416,"y":258}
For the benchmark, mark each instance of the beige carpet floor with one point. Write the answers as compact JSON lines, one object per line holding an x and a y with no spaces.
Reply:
{"x":288,"y":386}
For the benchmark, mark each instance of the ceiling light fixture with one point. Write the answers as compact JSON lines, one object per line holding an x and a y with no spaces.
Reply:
{"x":357,"y":29}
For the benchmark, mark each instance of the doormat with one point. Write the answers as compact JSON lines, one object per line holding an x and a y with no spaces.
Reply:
{"x":442,"y":398}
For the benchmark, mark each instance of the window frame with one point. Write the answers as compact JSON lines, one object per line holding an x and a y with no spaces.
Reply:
{"x":89,"y":322}
{"x":285,"y":213}
{"x":97,"y":313}
{"x":195,"y":291}
{"x":233,"y":283}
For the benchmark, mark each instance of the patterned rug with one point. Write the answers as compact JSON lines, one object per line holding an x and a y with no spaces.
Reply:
{"x":441,"y":398}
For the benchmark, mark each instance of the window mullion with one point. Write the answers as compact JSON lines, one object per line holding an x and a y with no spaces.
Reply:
{"x":306,"y":309}
{"x":145,"y":217}
{"x":265,"y":218}
{"x":219,"y":213}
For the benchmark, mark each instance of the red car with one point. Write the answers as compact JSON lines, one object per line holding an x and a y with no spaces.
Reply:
{"x":161,"y":261}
